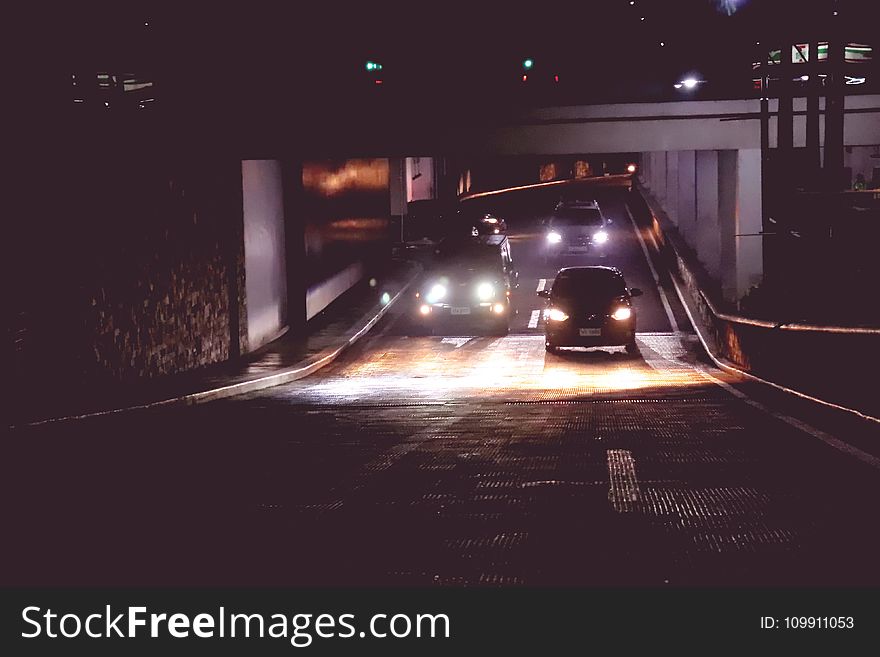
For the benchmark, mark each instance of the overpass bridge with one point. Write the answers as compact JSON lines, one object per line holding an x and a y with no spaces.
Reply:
{"x":701,"y":159}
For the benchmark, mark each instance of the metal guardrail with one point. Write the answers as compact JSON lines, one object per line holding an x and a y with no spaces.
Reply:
{"x":786,"y":326}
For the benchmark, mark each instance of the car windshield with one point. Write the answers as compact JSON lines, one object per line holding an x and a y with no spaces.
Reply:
{"x":577,"y":217}
{"x":470,"y":255}
{"x":592,"y":284}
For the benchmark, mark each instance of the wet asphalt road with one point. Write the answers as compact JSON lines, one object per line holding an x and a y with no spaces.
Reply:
{"x":456,"y":459}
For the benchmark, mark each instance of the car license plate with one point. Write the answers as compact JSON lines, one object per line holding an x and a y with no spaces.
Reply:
{"x":578,"y":249}
{"x":590,"y":332}
{"x":464,"y":310}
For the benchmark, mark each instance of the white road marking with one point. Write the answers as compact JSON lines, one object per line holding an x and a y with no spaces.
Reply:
{"x":828,"y":439}
{"x":542,"y":283}
{"x":458,"y":342}
{"x":672,"y":323}
{"x":624,"y":491}
{"x":533,"y":320}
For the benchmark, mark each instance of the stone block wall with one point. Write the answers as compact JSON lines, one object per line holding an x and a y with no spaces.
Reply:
{"x":132,"y":268}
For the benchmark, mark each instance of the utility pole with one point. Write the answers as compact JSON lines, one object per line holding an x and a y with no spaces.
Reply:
{"x":834,"y":109}
{"x":814,"y":163}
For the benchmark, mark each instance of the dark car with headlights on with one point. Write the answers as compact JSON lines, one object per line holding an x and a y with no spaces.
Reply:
{"x":470,"y":284}
{"x":590,"y":307}
{"x":576,"y":228}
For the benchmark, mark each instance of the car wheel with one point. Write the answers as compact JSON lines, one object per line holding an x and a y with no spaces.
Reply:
{"x":632,"y":348}
{"x":551,"y":348}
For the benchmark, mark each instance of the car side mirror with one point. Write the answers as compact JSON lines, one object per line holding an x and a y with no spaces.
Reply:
{"x":635,"y":292}
{"x":544,"y":294}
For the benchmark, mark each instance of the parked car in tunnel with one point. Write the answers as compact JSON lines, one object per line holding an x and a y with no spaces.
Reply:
{"x":590,"y":307}
{"x":471,"y":284}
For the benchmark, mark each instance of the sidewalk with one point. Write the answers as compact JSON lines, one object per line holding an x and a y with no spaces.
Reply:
{"x":288,"y":358}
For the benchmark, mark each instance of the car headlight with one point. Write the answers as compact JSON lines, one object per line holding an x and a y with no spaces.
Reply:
{"x":490,"y":220}
{"x":436,"y":293}
{"x":554,"y":238}
{"x":621,"y":314}
{"x":485,"y":291}
{"x":600,"y":237}
{"x":557,"y":315}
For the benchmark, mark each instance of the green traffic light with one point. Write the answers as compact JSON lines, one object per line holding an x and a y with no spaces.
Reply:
{"x":527,"y":64}
{"x":373,"y":66}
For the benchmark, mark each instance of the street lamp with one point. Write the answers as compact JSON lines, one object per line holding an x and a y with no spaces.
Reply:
{"x":688,"y":83}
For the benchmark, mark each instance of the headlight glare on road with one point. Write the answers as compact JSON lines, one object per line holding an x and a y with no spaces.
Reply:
{"x":600,"y":237}
{"x":621,"y":314}
{"x":554,"y":238}
{"x":557,"y":315}
{"x":436,"y":293}
{"x":485,"y":291}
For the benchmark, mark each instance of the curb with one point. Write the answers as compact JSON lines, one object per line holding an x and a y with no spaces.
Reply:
{"x":281,"y":377}
{"x":722,"y":363}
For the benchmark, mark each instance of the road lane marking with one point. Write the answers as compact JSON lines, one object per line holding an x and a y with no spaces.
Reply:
{"x":826,"y":438}
{"x":458,"y":342}
{"x":624,"y":490}
{"x":669,"y":315}
{"x":542,"y":283}
{"x":533,"y":321}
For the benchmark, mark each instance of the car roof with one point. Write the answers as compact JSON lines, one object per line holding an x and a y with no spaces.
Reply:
{"x":579,"y":204}
{"x":488,"y":242}
{"x":596,"y":270}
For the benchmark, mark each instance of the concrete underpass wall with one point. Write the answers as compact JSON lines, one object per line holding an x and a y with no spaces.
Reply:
{"x":264,"y":250}
{"x":832,"y":365}
{"x":132,"y":269}
{"x":346,"y":209}
{"x":714,"y":198}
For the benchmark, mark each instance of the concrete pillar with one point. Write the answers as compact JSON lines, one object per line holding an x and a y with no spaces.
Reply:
{"x":672,"y":185}
{"x":727,"y":197}
{"x":739,"y":210}
{"x":686,"y":197}
{"x":659,"y":188}
{"x":750,"y":243}
{"x":397,"y":180}
{"x":708,"y":232}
